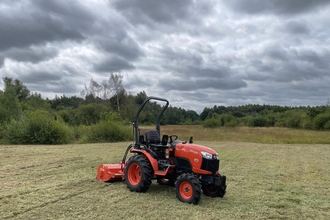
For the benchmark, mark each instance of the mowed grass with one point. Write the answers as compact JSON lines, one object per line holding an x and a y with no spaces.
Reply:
{"x":265,"y":181}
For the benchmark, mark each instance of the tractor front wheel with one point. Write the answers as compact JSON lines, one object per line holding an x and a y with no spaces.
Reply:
{"x":138,"y":174}
{"x":213,"y":191}
{"x":188,"y":188}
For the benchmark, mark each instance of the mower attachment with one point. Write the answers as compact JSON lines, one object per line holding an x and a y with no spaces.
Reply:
{"x":110,"y":172}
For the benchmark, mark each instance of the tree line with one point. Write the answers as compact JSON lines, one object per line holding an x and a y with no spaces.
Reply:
{"x":104,"y":110}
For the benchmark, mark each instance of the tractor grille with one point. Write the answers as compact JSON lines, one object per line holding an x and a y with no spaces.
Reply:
{"x":210,"y":165}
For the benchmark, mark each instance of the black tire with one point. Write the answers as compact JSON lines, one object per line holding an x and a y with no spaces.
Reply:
{"x":188,"y":188}
{"x":138,"y":174}
{"x":165,"y":181}
{"x":213,"y":191}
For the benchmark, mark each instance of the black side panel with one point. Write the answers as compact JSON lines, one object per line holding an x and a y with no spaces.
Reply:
{"x":182,"y":163}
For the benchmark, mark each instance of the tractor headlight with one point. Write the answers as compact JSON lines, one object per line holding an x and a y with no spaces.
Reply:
{"x":206,"y":155}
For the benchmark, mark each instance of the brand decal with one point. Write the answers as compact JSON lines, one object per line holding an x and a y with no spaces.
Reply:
{"x":193,"y":151}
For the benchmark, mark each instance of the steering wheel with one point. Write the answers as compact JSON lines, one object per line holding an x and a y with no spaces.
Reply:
{"x":173,"y":136}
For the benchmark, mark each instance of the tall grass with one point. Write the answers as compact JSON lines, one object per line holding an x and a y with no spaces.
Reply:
{"x":247,"y":134}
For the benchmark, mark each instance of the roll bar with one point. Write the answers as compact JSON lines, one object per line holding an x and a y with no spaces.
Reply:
{"x":136,"y":123}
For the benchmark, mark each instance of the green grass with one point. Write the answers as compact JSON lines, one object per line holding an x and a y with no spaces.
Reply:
{"x":265,"y":181}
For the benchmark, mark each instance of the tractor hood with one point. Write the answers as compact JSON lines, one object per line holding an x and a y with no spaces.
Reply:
{"x":194,"y":151}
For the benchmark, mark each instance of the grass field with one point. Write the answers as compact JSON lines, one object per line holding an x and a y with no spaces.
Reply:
{"x":265,"y":181}
{"x":269,"y":135}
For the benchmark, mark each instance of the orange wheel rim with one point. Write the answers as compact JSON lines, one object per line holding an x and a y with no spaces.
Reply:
{"x":134,"y":174}
{"x":186,"y":190}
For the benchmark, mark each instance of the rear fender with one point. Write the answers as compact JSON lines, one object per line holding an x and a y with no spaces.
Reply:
{"x":152,"y":160}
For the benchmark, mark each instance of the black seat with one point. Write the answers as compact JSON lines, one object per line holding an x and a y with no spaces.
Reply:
{"x":152,"y":137}
{"x":153,"y":141}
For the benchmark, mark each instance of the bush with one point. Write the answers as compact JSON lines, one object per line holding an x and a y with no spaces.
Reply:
{"x":38,"y":127}
{"x":228,"y":120}
{"x":327,"y":126}
{"x":271,"y":119}
{"x":17,"y":132}
{"x":89,"y":114}
{"x":4,"y":115}
{"x":306,"y":124}
{"x":258,"y":121}
{"x":211,"y":123}
{"x":320,"y":122}
{"x":108,"y":131}
{"x":64,"y":114}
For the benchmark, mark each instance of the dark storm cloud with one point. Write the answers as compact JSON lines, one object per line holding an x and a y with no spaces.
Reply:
{"x":319,"y":59}
{"x":114,"y":64}
{"x":123,"y":46}
{"x":60,"y":87}
{"x":170,"y":11}
{"x":276,"y":52}
{"x":280,"y":63}
{"x":137,"y":79}
{"x":31,"y":54}
{"x":276,"y":6}
{"x":178,"y":55}
{"x":71,"y":11}
{"x":297,"y":27}
{"x":190,"y":63}
{"x":197,"y":84}
{"x":297,"y":72}
{"x":34,"y":26}
{"x":40,"y":77}
{"x":210,"y":73}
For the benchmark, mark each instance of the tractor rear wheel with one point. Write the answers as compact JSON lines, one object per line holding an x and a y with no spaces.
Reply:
{"x":213,"y":190}
{"x":138,"y":174}
{"x":188,"y":188}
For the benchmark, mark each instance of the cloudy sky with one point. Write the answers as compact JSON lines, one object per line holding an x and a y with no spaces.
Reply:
{"x":195,"y":53}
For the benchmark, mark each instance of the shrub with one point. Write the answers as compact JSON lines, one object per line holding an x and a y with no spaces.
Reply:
{"x":258,"y":121}
{"x":232,"y":123}
{"x":79,"y":133}
{"x":38,"y":127}
{"x":306,"y":124}
{"x":4,"y":115}
{"x":64,"y":114}
{"x":327,"y":126}
{"x":17,"y":132}
{"x":108,"y":131}
{"x":211,"y":123}
{"x":321,"y":121}
{"x":271,"y":119}
{"x":89,"y":114}
{"x":228,"y":120}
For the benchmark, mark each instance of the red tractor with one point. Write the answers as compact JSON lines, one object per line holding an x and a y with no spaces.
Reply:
{"x":191,"y":168}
